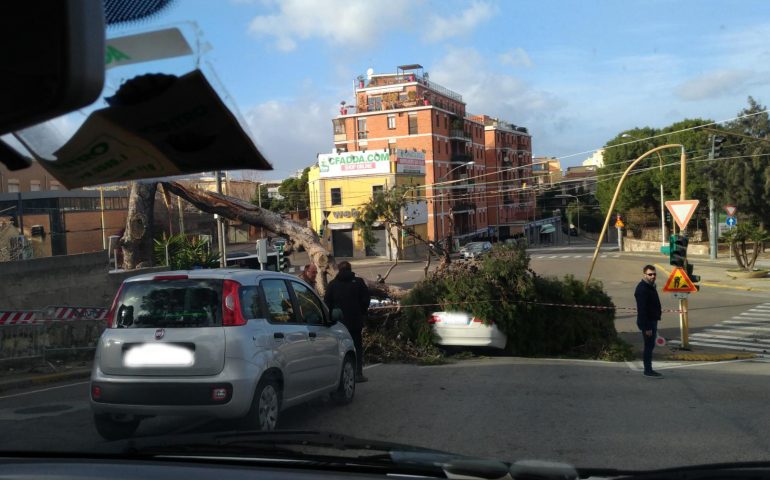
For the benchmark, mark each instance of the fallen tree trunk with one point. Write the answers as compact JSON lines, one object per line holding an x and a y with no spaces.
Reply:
{"x":137,"y":239}
{"x":236,"y":209}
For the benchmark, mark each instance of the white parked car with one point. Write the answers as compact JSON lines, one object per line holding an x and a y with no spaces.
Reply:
{"x":460,"y":329}
{"x":475,"y":249}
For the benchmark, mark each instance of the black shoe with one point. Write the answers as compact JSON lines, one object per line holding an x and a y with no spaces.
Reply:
{"x":653,"y":374}
{"x":360,"y":378}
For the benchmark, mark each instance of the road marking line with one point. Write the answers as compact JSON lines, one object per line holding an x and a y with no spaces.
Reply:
{"x":745,"y":322}
{"x":728,"y":328}
{"x":632,"y":366}
{"x":751,"y":340}
{"x":43,"y":390}
{"x":734,"y":343}
{"x":372,"y":366}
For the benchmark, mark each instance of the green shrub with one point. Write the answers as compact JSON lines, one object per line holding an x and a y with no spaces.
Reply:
{"x":502,"y":288}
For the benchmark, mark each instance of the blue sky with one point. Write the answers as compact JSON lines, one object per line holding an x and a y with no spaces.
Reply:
{"x":575,"y":73}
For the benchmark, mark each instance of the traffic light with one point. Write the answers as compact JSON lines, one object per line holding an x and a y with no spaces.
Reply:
{"x":678,"y":250}
{"x":718,"y":146}
{"x":283,"y":262}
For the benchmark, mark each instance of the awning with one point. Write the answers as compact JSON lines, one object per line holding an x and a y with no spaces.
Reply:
{"x":547,"y":229}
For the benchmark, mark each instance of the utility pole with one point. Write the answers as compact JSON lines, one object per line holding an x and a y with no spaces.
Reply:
{"x":221,"y":228}
{"x":713,"y":222}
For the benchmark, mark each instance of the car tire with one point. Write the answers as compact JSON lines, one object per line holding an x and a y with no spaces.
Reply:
{"x":265,"y":406}
{"x":347,"y":386}
{"x":111,"y":427}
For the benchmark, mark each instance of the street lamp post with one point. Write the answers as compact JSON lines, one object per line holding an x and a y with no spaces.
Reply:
{"x":577,"y":199}
{"x":662,"y":203}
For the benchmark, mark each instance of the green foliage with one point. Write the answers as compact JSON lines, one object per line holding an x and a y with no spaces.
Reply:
{"x":502,"y":288}
{"x":741,"y":175}
{"x":294,"y":192}
{"x":739,"y":238}
{"x":386,"y":207}
{"x":184,"y":252}
{"x":641,"y":187}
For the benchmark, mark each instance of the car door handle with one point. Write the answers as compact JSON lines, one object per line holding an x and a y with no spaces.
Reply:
{"x":312,"y":334}
{"x":278,"y":335}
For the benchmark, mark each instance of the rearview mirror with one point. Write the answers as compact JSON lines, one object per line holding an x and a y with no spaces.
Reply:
{"x":53,"y":60}
{"x":337,"y":315}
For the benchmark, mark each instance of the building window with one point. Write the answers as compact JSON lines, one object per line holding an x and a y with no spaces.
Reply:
{"x":54,"y":186}
{"x":446,"y":121}
{"x":13,"y":185}
{"x":362,"y":128}
{"x":339,"y":126}
{"x":34,"y":186}
{"x":412,"y":124}
{"x":377,"y":190}
{"x":391,"y":122}
{"x":336,"y":196}
{"x":437,"y":120}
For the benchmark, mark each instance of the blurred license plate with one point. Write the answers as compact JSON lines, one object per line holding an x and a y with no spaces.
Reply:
{"x":158,"y":355}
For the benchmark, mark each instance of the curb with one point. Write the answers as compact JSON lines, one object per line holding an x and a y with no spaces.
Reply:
{"x":43,"y":379}
{"x":709,"y":357}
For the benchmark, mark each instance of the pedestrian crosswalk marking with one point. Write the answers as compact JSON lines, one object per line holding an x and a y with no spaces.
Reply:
{"x":548,"y":257}
{"x":747,"y":331}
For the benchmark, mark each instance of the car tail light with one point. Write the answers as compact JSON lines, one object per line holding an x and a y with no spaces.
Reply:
{"x":96,"y":392}
{"x":219,"y":394}
{"x":434,"y":319}
{"x":111,"y":313}
{"x":232,"y":315}
{"x":478,"y":320}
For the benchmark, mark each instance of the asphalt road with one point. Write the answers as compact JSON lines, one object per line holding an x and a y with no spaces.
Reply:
{"x":583,"y":412}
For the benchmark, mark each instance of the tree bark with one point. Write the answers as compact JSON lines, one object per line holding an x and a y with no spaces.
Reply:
{"x":235,"y":209}
{"x":137,"y":239}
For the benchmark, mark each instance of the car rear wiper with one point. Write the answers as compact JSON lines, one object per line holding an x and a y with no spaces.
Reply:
{"x":690,"y":472}
{"x":311,"y":447}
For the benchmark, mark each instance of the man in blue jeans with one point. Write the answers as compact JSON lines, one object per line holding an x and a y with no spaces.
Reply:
{"x":648,"y":312}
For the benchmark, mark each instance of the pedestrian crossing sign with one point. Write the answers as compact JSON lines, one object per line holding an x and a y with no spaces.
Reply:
{"x":679,"y":282}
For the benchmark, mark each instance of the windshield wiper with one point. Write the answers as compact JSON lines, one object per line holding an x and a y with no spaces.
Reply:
{"x":325,"y":449}
{"x":690,"y":472}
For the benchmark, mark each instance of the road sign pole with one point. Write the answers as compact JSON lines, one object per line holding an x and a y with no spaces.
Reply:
{"x":684,"y":321}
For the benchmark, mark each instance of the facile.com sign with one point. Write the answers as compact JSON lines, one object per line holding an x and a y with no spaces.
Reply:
{"x":354,"y":163}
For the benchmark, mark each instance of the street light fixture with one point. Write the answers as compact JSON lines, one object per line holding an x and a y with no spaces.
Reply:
{"x":662,"y":203}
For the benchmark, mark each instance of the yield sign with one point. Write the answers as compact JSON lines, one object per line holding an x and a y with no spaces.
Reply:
{"x":679,"y":282}
{"x":682,"y":211}
{"x":730,"y":209}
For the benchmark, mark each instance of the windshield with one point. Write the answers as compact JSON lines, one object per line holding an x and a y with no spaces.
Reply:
{"x":507,"y":230}
{"x":170,"y":304}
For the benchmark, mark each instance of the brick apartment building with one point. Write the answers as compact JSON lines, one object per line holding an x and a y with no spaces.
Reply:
{"x":476,"y":167}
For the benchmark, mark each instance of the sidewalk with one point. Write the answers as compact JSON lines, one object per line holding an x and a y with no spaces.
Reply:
{"x":16,"y":379}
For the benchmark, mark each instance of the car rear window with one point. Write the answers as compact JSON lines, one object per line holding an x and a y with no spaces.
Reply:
{"x":170,"y":304}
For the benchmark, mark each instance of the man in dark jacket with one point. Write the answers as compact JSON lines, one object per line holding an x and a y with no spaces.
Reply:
{"x":648,"y":312}
{"x":351,"y":295}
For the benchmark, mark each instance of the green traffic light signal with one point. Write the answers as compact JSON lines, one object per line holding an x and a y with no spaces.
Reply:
{"x":678,"y":250}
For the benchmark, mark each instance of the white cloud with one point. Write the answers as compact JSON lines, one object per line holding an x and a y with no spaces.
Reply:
{"x":441,"y":28}
{"x":714,"y":84}
{"x":516,"y":58}
{"x":352,"y":23}
{"x":291,"y":132}
{"x":486,"y":92}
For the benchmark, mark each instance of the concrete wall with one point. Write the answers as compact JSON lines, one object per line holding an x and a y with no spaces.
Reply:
{"x":631,"y":245}
{"x":69,"y":280}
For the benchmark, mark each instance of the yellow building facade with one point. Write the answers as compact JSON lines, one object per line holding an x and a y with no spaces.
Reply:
{"x":340,"y":184}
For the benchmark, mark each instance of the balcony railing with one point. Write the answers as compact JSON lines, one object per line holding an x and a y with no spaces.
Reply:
{"x":412,"y":77}
{"x":363,"y":135}
{"x":460,"y":158}
{"x":459,"y":134}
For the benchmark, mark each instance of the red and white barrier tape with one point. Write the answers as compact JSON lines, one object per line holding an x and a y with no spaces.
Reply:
{"x":52,"y":314}
{"x":568,"y":305}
